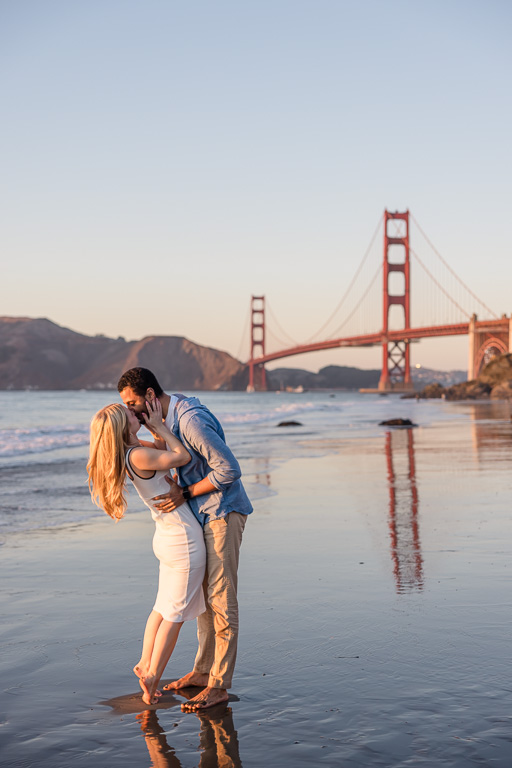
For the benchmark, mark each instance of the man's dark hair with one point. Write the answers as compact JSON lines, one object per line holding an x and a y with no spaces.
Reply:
{"x":140,"y":380}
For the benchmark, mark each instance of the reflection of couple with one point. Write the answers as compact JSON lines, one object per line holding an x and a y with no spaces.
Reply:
{"x":218,"y":741}
{"x":200,"y":518}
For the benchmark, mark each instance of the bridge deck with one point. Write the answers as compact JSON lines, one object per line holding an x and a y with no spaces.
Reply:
{"x":374,"y":339}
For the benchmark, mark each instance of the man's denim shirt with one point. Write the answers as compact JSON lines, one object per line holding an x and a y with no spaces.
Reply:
{"x":202,"y":435}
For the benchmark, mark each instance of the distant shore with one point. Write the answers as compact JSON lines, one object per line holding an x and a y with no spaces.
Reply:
{"x":37,"y":354}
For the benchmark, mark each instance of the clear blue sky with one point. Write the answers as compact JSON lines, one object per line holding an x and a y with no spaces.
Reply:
{"x":162,"y":161}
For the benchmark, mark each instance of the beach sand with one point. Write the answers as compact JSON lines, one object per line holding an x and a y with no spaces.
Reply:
{"x":375,"y":615}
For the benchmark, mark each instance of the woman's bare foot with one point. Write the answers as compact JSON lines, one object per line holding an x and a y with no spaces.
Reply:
{"x":141,"y":669}
{"x":150,"y":694}
{"x":193,"y":679}
{"x":210,"y":697}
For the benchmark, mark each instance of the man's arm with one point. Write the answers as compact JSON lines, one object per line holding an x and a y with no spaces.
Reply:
{"x":167,"y":502}
{"x":202,"y":435}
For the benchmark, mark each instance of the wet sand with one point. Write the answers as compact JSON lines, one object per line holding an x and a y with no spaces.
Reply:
{"x":375,"y":609}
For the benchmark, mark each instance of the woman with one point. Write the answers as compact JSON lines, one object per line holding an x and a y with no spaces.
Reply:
{"x":115,"y":451}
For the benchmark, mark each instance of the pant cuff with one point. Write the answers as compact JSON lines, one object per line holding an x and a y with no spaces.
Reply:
{"x":218,"y":682}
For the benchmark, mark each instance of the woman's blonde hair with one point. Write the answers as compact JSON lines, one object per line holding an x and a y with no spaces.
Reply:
{"x":106,"y":467}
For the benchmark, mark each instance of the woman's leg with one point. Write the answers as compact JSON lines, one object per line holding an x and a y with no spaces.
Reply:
{"x":165,"y":641}
{"x":152,"y":625}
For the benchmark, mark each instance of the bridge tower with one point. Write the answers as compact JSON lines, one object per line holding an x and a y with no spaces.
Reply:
{"x":396,"y":369}
{"x":257,"y":374}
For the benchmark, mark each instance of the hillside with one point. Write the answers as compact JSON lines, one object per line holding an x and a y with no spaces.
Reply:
{"x":331,"y":377}
{"x":38,"y":354}
{"x":346,"y":377}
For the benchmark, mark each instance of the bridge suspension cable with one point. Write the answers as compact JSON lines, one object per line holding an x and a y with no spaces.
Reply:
{"x":245,"y":336}
{"x":455,"y":275}
{"x":358,"y":305}
{"x":351,"y":285}
{"x":466,"y":314}
{"x":280,"y":327}
{"x":280,"y":343}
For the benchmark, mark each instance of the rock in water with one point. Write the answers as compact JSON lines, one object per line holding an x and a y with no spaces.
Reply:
{"x":397,"y":423}
{"x":289,"y":424}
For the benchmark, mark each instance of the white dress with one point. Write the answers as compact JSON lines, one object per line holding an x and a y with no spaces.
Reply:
{"x":179,"y":545}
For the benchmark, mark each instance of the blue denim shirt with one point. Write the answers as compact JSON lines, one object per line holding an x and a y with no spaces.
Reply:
{"x":202,"y":435}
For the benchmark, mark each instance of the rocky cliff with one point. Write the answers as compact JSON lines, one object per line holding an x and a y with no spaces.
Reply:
{"x":495,"y":382}
{"x":38,"y":354}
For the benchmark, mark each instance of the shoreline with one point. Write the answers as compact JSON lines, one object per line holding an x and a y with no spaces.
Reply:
{"x":371,"y":580}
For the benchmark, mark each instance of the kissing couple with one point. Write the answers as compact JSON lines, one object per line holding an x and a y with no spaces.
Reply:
{"x":199,"y":515}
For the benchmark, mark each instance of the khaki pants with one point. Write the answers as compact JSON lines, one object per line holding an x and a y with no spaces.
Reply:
{"x":217,"y":627}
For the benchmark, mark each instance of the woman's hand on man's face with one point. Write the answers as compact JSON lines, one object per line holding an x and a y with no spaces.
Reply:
{"x":154,"y":418}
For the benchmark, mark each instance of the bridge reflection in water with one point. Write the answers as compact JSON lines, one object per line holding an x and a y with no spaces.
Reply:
{"x":403,"y":519}
{"x":491,"y":439}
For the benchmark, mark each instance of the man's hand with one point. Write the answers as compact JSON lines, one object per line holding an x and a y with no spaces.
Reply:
{"x":168,"y":502}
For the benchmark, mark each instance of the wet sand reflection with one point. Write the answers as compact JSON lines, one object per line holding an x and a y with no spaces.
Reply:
{"x":490,"y":430}
{"x":404,"y":503}
{"x":491,"y":435}
{"x":218,"y":740}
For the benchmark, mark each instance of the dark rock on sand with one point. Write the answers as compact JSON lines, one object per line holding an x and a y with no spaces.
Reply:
{"x":433,"y":391}
{"x":502,"y":391}
{"x":290,"y":424}
{"x":397,"y":423}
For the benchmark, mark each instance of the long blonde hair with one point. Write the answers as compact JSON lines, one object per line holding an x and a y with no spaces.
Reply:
{"x":106,"y":467}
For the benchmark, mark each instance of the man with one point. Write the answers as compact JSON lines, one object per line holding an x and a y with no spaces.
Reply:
{"x":211,"y":485}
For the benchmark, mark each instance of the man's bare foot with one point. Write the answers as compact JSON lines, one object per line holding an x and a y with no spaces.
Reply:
{"x":150,"y":694}
{"x":193,"y":679}
{"x":210,"y":697}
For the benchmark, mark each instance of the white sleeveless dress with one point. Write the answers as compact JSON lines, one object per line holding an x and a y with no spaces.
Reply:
{"x":178,"y":544}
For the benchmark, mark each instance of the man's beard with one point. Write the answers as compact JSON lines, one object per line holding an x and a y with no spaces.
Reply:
{"x":140,"y":417}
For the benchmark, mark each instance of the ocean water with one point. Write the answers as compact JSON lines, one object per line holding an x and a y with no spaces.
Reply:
{"x":44,"y":442}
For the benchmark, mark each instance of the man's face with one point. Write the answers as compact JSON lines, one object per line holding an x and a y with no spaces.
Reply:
{"x":136,"y":403}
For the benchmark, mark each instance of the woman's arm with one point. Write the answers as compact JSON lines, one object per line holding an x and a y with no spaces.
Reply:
{"x":161,"y":445}
{"x":158,"y":442}
{"x":151,"y":458}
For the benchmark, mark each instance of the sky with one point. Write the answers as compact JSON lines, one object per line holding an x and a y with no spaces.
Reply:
{"x":163,"y":161}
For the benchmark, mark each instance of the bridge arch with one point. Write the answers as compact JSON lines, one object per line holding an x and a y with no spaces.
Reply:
{"x":491,"y":347}
{"x":487,"y":339}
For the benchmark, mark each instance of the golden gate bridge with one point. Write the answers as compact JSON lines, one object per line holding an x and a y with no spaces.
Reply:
{"x":487,"y":337}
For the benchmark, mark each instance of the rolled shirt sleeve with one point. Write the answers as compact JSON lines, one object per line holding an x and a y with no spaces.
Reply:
{"x":201,"y":433}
